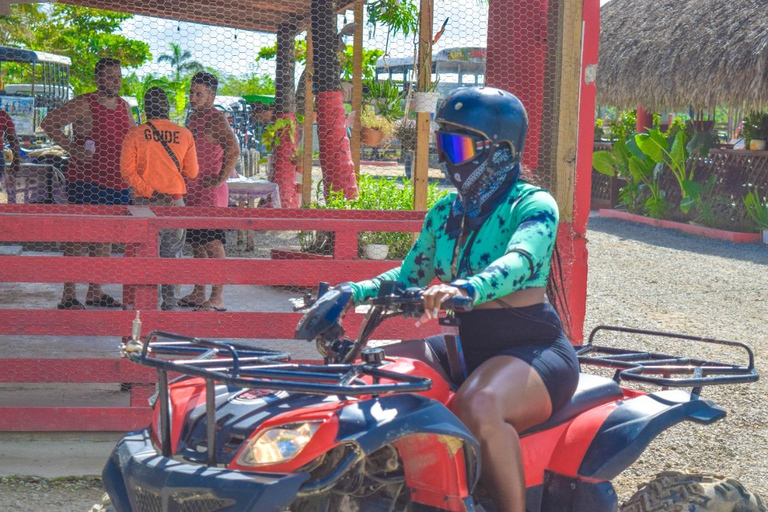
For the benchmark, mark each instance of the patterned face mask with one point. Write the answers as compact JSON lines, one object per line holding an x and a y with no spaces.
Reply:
{"x":480,"y":188}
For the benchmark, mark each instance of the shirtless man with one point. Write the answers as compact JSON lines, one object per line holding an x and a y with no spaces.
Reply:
{"x":217,"y":155}
{"x":100,"y":120}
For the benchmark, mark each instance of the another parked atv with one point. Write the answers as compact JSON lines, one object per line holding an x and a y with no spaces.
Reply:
{"x":243,"y":430}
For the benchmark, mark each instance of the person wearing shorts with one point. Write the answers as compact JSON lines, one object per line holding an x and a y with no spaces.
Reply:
{"x":492,"y":242}
{"x":100,"y":120}
{"x":157,"y":156}
{"x":217,"y":154}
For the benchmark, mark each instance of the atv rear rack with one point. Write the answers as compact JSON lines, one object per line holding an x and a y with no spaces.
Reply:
{"x":246,"y":367}
{"x":640,"y":366}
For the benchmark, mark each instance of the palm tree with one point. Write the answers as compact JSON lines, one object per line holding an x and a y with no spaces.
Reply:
{"x":135,"y":86}
{"x":179,"y":61}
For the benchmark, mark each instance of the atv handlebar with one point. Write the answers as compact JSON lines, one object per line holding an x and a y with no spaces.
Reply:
{"x":639,"y":366}
{"x":410,"y":299}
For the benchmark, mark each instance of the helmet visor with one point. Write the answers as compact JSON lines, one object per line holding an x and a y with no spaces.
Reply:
{"x":459,"y":148}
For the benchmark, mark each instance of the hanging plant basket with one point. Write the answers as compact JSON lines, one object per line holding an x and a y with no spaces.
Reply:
{"x":425,"y":101}
{"x":371,"y":138}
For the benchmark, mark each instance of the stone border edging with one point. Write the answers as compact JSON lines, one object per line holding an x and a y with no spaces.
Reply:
{"x":721,"y":234}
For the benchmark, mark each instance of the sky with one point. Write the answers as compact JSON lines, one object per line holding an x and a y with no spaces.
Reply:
{"x":234,"y":51}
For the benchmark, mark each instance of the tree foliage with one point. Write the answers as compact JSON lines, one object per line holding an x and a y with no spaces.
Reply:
{"x":180,"y":61}
{"x":83,"y":34}
{"x":247,"y":84}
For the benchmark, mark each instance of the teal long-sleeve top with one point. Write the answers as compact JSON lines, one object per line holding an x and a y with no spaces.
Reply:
{"x":510,"y":251}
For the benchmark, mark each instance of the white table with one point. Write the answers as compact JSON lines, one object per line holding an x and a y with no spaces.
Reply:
{"x":250,"y":190}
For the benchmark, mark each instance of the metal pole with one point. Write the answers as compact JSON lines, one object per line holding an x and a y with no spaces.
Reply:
{"x":165,"y":416}
{"x":210,"y":414}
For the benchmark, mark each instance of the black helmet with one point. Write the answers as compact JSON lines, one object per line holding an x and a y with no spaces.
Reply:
{"x":495,"y":114}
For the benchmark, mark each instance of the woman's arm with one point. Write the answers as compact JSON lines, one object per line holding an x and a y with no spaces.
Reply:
{"x":528,"y":253}
{"x":417,"y":269}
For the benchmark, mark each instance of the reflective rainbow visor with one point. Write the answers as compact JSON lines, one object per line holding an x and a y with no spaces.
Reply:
{"x":459,"y":148}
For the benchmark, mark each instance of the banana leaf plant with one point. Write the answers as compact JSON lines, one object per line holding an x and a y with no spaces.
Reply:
{"x":674,"y":156}
{"x":627,"y":161}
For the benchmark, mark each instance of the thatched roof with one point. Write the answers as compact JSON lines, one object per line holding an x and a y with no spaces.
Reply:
{"x":671,"y":54}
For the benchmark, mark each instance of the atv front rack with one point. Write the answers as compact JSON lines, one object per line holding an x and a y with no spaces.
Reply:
{"x":246,"y":367}
{"x":640,"y":366}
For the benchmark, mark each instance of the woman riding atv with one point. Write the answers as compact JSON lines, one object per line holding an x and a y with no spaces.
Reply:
{"x":493,"y":242}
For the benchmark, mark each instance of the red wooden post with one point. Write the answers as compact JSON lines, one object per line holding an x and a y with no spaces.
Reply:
{"x":345,"y":245}
{"x":516,"y":61}
{"x":144,"y":296}
{"x":644,"y":120}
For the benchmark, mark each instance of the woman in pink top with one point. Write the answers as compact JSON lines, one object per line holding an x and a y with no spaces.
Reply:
{"x":217,"y":155}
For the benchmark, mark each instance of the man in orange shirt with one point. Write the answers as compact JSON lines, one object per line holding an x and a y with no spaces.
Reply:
{"x":156,"y":157}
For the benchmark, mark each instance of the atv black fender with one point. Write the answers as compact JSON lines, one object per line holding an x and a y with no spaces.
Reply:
{"x":375,"y":423}
{"x":634,"y":423}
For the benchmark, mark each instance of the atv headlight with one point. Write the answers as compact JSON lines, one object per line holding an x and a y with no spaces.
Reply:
{"x":279,"y":444}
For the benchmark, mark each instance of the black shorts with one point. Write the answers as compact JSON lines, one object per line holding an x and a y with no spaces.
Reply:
{"x":206,"y":236}
{"x":533,"y":334}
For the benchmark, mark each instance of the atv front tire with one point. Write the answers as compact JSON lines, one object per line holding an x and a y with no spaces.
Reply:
{"x":680,"y":492}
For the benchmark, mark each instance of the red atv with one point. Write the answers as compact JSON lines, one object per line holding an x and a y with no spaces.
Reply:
{"x":241,"y":429}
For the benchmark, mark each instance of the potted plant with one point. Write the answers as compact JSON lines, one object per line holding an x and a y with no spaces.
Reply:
{"x":757,"y":208}
{"x":756,"y":131}
{"x":375,"y":128}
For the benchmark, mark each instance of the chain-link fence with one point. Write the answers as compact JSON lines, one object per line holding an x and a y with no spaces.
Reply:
{"x":166,"y":150}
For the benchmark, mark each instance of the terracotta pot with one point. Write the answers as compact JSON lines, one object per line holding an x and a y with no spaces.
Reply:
{"x":371,"y":137}
{"x":757,"y":145}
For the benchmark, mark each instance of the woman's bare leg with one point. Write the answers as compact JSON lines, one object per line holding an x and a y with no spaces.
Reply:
{"x":502,"y":397}
{"x":416,"y":349}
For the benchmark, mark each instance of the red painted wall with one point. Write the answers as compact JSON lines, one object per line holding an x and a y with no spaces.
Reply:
{"x":517,"y":52}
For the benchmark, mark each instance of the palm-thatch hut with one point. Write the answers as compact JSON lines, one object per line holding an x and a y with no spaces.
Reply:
{"x":672,"y":54}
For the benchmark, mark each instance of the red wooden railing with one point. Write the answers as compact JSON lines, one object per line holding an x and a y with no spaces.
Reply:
{"x":140,"y":271}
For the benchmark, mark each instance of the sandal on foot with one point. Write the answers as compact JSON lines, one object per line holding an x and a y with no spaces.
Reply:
{"x":105,"y":301}
{"x":72,"y":304}
{"x":202,"y":307}
{"x":186,"y":303}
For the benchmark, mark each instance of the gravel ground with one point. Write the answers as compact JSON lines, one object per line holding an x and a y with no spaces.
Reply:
{"x":660,"y":279}
{"x":639,"y":277}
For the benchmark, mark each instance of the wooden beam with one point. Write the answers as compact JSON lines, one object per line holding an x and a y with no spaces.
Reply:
{"x":357,"y":85}
{"x":243,"y":16}
{"x":421,"y":162}
{"x":306,"y":174}
{"x":566,"y":141}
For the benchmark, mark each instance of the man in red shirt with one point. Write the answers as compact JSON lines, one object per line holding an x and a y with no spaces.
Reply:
{"x":100,"y":120}
{"x":8,"y":136}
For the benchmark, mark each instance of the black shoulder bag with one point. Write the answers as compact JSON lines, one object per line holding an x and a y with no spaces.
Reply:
{"x":165,"y":145}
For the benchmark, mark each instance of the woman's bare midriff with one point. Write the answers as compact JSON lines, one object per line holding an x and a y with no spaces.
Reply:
{"x":518,"y":299}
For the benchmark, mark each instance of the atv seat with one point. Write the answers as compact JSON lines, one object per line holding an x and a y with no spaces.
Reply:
{"x":591,"y":391}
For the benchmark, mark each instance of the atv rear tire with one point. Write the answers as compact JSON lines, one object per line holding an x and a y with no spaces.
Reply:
{"x":680,"y":492}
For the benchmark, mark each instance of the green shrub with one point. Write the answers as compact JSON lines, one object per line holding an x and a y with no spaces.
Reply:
{"x":374,"y":194}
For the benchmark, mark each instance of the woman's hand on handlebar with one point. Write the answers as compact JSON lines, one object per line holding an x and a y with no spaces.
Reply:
{"x":434,"y":298}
